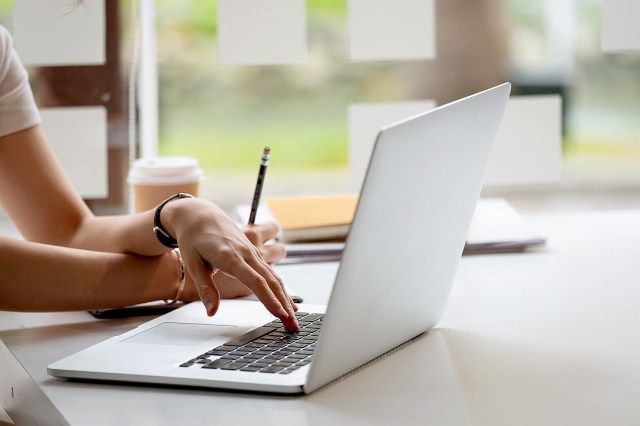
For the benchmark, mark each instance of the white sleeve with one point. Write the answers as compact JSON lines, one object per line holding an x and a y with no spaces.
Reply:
{"x":18,"y":110}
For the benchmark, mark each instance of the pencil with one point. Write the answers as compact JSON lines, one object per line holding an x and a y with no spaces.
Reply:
{"x":264,"y":161}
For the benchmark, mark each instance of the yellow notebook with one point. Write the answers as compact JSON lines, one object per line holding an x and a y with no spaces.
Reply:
{"x":313,"y":218}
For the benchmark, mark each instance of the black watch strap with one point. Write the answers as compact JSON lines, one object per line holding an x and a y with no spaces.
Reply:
{"x":161,"y":234}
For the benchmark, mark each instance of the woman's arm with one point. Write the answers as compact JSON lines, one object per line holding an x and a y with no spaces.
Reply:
{"x":40,"y":199}
{"x":41,"y":277}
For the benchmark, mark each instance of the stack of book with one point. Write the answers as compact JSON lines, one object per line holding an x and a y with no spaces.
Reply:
{"x":313,"y":219}
{"x":313,"y":228}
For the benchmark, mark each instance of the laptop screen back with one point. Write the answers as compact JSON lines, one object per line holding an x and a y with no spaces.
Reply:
{"x":405,"y":243}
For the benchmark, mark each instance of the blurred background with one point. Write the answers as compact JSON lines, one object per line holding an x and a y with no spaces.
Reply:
{"x":224,"y":115}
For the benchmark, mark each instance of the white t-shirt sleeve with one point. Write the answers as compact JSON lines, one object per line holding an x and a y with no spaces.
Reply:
{"x":18,"y":110}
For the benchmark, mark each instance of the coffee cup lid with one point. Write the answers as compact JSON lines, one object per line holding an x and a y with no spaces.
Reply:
{"x":165,"y":171}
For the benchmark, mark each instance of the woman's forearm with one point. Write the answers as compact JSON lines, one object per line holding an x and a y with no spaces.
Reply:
{"x":42,"y":203}
{"x":118,"y":234}
{"x":39,"y":277}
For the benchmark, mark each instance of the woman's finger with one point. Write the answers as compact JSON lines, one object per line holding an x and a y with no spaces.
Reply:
{"x":260,"y":233}
{"x":274,"y":253}
{"x":274,"y":288}
{"x":202,"y":274}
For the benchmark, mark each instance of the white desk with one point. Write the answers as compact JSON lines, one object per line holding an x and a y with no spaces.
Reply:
{"x":528,"y":339}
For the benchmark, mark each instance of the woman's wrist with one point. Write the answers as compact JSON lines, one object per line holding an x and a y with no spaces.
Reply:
{"x":165,"y":281}
{"x":175,"y":212}
{"x":163,"y":234}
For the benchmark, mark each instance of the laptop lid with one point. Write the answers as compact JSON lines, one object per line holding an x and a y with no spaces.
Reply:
{"x":398,"y":265}
{"x":408,"y":233}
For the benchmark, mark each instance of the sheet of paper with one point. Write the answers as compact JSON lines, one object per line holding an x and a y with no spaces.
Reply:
{"x":60,"y":32}
{"x":365,"y":122}
{"x":620,"y":25}
{"x":496,"y":227}
{"x":528,"y":148}
{"x":392,"y":30}
{"x":261,"y":32}
{"x":496,"y":221}
{"x":263,"y":214}
{"x":79,"y":139}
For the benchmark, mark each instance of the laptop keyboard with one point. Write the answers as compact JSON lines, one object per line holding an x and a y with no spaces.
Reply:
{"x":266,"y":349}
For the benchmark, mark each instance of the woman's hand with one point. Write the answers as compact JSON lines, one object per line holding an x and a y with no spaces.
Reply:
{"x":229,"y":287}
{"x":212,"y":244}
{"x":259,"y":235}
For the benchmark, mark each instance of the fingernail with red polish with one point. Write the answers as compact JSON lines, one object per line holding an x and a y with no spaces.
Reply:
{"x":209,"y":306}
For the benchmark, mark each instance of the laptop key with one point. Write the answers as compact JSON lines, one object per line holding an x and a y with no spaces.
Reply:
{"x":231,"y":357}
{"x":252,"y":357}
{"x":297,"y":356}
{"x":280,"y":364}
{"x":251,"y":369}
{"x":273,"y":357}
{"x":312,"y":317}
{"x":217,"y":363}
{"x":297,"y":346}
{"x":225,"y":347}
{"x":216,"y":352}
{"x":234,"y":366}
{"x":249,"y":336}
{"x":260,"y":365}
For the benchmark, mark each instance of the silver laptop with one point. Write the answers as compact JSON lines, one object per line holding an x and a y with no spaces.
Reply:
{"x":402,"y":252}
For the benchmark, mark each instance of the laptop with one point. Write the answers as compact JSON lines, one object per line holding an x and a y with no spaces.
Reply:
{"x":401,"y":255}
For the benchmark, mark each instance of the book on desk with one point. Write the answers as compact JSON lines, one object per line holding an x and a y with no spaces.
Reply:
{"x":313,"y":228}
{"x":313,"y":218}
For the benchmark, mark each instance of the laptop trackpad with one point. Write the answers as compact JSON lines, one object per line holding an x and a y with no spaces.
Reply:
{"x":183,"y":334}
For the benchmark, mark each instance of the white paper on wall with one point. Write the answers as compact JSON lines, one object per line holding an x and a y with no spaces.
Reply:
{"x":392,"y":30}
{"x":528,"y":148}
{"x":60,"y":32}
{"x":620,"y":25}
{"x":78,"y":136}
{"x":365,"y":122}
{"x":261,"y":32}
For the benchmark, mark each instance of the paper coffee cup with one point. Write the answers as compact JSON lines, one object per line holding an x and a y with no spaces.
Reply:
{"x":154,"y":179}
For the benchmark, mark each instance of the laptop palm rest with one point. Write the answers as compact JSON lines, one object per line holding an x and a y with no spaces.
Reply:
{"x":182,"y":334}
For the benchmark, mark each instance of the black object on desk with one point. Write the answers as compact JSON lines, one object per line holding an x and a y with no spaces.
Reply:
{"x":135,"y":311}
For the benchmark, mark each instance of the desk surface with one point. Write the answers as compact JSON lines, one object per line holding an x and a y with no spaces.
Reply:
{"x":547,"y":337}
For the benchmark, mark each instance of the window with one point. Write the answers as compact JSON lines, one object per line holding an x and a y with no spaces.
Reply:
{"x":106,"y":86}
{"x":224,"y":115}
